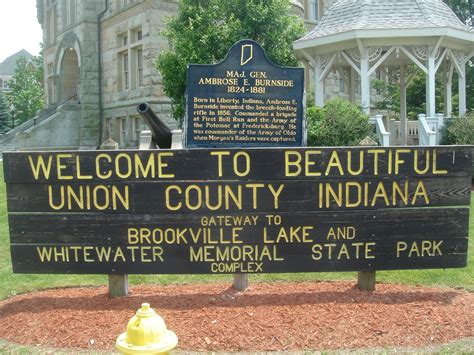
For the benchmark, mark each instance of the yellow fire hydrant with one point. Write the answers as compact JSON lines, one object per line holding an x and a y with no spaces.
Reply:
{"x":146,"y":334}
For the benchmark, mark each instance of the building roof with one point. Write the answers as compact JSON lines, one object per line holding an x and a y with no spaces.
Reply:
{"x":7,"y":67}
{"x":349,"y":15}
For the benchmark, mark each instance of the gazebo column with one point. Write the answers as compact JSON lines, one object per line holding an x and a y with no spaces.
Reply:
{"x":318,"y":83}
{"x":352,"y":85}
{"x":431,"y":84}
{"x":403,"y":106}
{"x":462,"y":88}
{"x":448,"y":91}
{"x":364,"y":79}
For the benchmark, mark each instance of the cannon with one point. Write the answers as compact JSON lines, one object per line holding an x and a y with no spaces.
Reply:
{"x":161,"y":135}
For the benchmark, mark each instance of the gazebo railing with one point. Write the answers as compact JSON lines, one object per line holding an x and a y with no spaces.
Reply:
{"x":429,"y":129}
{"x":412,"y":129}
{"x":381,"y":132}
{"x":426,"y":131}
{"x":396,"y":132}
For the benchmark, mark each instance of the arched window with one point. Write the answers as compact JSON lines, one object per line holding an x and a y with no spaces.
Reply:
{"x":69,"y":74}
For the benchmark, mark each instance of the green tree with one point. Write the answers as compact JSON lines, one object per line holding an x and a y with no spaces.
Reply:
{"x":4,"y":113}
{"x":389,"y":93}
{"x":459,"y":130}
{"x":464,"y":9}
{"x":27,"y":92}
{"x":204,"y":30}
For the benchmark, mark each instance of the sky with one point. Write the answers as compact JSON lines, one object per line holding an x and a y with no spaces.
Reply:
{"x":19,"y":28}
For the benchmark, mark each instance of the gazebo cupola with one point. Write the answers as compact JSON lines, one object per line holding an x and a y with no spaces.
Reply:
{"x":363,"y":35}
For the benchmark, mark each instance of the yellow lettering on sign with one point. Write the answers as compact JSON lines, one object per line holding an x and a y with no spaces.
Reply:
{"x":219,"y":155}
{"x":107,"y":173}
{"x":123,"y":165}
{"x":248,"y":267}
{"x":331,"y":194}
{"x":216,"y":253}
{"x":87,"y":254}
{"x":398,"y":160}
{"x":168,"y":190}
{"x":437,"y":171}
{"x":402,"y":194}
{"x":424,"y":248}
{"x":103,"y":254}
{"x":309,"y":162}
{"x":380,"y":192}
{"x":353,"y":194}
{"x":193,"y":192}
{"x":276,"y":194}
{"x":145,"y":171}
{"x":40,"y":165}
{"x":60,"y":166}
{"x":420,"y":192}
{"x":94,"y":254}
{"x":246,"y":159}
{"x":361,"y":163}
{"x":119,"y":255}
{"x":291,"y":234}
{"x":376,"y":153}
{"x":343,"y":251}
{"x":157,"y":254}
{"x":162,"y":165}
{"x":44,"y":253}
{"x":79,"y":174}
{"x":330,"y":251}
{"x":338,"y":233}
{"x":334,"y":162}
{"x":254,"y":188}
{"x":85,"y":197}
{"x":230,"y":195}
{"x":416,"y":164}
{"x":292,"y":159}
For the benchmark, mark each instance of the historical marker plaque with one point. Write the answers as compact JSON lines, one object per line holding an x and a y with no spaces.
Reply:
{"x":238,"y":210}
{"x":244,"y":101}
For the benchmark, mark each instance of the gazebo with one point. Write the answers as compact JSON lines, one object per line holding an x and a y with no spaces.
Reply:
{"x":364,"y":35}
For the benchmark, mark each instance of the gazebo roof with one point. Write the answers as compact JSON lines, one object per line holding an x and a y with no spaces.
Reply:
{"x":351,"y":19}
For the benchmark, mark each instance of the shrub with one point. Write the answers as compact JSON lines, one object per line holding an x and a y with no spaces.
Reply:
{"x":204,"y":30}
{"x":338,"y":123}
{"x":459,"y":130}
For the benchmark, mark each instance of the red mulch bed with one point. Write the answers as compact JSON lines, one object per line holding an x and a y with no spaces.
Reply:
{"x":273,"y":316}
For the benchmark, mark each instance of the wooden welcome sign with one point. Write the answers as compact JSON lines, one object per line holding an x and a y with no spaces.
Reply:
{"x":238,"y":210}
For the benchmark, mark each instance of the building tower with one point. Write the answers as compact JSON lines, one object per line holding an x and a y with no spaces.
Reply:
{"x":70,"y":31}
{"x":99,"y":60}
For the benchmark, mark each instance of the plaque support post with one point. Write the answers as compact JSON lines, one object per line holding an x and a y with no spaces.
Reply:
{"x":241,"y":281}
{"x":118,"y":284}
{"x":366,"y":279}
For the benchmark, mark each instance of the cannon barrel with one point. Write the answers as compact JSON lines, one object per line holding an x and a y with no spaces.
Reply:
{"x":160,"y":132}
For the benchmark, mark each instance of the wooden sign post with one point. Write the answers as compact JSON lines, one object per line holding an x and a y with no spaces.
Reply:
{"x":366,"y":279}
{"x":118,"y":284}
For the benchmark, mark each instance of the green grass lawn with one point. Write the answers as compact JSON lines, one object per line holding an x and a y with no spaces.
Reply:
{"x":19,"y":283}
